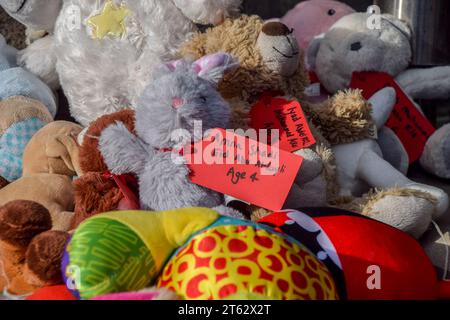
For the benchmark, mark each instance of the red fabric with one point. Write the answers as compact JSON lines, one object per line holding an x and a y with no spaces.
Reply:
{"x":52,"y":293}
{"x":128,"y":185}
{"x":406,"y":271}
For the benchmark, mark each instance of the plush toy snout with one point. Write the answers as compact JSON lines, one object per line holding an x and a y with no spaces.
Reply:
{"x":279,"y":48}
{"x":177,"y":102}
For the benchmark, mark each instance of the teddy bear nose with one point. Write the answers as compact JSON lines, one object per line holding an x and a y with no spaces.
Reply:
{"x":177,"y":103}
{"x":356,"y":46}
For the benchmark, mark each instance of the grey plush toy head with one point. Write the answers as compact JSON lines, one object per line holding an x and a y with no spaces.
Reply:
{"x":180,"y":94}
{"x":351,"y":46}
{"x":36,"y":14}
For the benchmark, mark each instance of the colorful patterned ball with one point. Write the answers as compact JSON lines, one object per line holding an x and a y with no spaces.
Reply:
{"x":246,"y":260}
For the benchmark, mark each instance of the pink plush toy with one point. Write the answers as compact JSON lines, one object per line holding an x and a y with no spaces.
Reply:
{"x":314,"y":17}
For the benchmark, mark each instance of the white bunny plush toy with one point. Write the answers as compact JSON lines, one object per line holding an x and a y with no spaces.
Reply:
{"x":104,"y":51}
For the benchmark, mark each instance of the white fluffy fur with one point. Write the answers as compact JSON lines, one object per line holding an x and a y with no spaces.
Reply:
{"x":104,"y":76}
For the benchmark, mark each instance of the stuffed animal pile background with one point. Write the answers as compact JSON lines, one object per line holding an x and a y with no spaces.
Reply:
{"x":105,"y":207}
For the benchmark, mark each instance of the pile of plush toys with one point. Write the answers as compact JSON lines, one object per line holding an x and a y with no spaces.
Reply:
{"x":106,"y":208}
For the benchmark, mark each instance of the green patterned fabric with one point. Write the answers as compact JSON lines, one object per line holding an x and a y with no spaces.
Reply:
{"x":112,"y":258}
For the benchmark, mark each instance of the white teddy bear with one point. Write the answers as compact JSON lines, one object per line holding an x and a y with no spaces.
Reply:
{"x":350,"y":46}
{"x":104,"y":50}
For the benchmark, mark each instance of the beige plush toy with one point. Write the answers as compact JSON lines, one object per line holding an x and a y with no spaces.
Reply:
{"x":270,"y":60}
{"x":36,"y":210}
{"x":50,"y":161}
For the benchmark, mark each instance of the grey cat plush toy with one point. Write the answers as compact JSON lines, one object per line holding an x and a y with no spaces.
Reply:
{"x":180,"y":94}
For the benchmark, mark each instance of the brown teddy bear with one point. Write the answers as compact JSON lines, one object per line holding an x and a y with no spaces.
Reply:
{"x":34,"y":230}
{"x":271,"y":61}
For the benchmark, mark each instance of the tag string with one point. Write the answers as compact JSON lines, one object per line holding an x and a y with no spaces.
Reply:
{"x":447,"y":251}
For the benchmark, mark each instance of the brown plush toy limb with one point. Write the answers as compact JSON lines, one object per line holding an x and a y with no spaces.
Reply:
{"x":95,"y":193}
{"x":30,"y":254}
{"x":3,"y":182}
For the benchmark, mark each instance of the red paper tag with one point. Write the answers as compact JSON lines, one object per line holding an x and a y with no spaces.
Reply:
{"x":244,"y":168}
{"x":410,"y":125}
{"x":288,"y":117}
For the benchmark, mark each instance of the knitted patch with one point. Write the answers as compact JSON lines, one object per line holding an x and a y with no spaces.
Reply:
{"x":12,"y":146}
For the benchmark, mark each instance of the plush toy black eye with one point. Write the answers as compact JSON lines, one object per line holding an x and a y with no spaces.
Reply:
{"x":204,"y":100}
{"x":331,"y":12}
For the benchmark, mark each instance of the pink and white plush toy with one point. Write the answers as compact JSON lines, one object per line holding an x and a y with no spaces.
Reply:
{"x":314,"y":17}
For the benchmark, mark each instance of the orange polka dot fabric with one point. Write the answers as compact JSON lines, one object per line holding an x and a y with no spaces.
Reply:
{"x":244,"y":260}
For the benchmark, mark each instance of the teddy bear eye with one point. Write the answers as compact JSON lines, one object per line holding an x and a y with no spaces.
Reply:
{"x":203,"y":98}
{"x":331,"y":12}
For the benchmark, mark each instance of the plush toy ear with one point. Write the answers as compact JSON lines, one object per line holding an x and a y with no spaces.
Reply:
{"x":213,"y":67}
{"x":65,"y":148}
{"x":313,"y":50}
{"x":173,"y":65}
{"x":400,"y":25}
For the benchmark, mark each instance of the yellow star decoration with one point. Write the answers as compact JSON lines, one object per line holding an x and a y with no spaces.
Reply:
{"x":111,"y":22}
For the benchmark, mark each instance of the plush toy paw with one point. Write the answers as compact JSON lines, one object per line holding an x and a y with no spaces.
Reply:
{"x":166,"y":174}
{"x":311,"y":194}
{"x":312,"y":166}
{"x":44,"y":256}
{"x":408,"y":210}
{"x":122,"y":151}
{"x":20,"y":222}
{"x":438,"y":196}
{"x":31,"y":255}
{"x":436,"y":156}
{"x":40,"y":59}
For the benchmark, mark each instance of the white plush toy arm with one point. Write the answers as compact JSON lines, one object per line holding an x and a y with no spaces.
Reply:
{"x":122,"y":151}
{"x":378,"y":173}
{"x":383,"y":102}
{"x":432,"y":83}
{"x":209,"y":11}
{"x":40,"y":59}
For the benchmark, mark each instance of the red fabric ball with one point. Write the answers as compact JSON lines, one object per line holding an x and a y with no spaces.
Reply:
{"x":52,"y":293}
{"x":368,"y":248}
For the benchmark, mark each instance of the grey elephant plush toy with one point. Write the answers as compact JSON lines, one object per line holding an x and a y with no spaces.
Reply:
{"x":350,"y":46}
{"x":180,"y":94}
